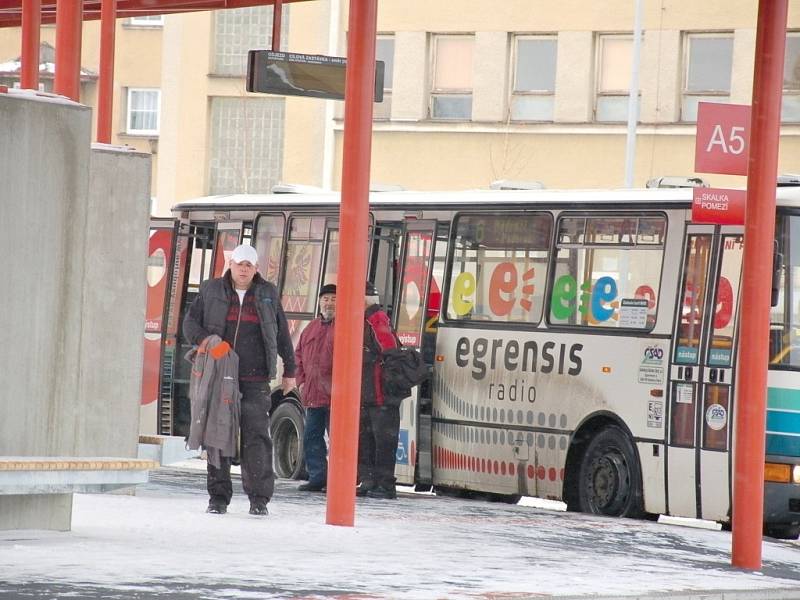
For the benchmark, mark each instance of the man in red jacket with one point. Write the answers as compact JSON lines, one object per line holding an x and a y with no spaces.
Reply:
{"x":314,"y":373}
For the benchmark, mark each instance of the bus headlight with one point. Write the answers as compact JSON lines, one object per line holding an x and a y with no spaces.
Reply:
{"x":796,"y":474}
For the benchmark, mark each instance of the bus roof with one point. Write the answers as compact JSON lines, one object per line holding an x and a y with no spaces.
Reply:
{"x":410,"y":200}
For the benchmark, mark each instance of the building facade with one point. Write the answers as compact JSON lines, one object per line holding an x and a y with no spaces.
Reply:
{"x":474,"y":92}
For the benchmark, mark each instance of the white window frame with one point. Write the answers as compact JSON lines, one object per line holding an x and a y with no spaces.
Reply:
{"x":711,"y":95}
{"x":147,"y":21}
{"x":444,"y":92}
{"x":513,"y":76}
{"x":129,"y":112}
{"x":611,"y":93}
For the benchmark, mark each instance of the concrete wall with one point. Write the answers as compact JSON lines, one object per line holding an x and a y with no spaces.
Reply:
{"x":73,"y":281}
{"x":112,"y":343}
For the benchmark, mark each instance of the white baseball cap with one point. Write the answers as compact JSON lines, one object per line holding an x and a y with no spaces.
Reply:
{"x":245,"y":253}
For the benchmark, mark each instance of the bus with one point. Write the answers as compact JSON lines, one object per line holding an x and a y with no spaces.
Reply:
{"x":582,"y":344}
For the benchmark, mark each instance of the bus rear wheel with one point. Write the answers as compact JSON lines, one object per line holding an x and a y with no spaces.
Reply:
{"x":782,"y":531}
{"x":287,"y":440}
{"x":609,"y":480}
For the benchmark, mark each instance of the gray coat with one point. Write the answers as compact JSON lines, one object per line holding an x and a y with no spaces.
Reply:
{"x":216,"y":401}
{"x":207,"y":315}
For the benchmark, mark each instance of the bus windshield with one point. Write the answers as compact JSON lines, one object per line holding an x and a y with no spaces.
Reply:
{"x":785,"y":315}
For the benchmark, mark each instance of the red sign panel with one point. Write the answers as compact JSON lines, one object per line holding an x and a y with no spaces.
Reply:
{"x":723,"y":138}
{"x":722,"y":207}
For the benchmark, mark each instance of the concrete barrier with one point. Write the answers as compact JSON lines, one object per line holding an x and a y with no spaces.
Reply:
{"x":73,"y":246}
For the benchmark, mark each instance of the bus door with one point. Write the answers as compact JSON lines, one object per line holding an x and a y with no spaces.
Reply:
{"x":159,"y":260}
{"x":702,"y":374}
{"x":411,"y":323}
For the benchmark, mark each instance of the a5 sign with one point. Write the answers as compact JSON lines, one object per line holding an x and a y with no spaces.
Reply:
{"x":723,"y":138}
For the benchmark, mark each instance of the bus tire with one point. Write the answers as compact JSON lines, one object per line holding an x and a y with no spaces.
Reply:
{"x":287,"y":429}
{"x":609,"y":478}
{"x":782,"y":531}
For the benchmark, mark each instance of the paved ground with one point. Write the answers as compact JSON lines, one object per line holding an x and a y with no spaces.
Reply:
{"x":160,"y":544}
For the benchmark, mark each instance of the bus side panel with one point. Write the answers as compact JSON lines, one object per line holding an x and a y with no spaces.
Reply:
{"x":506,"y":404}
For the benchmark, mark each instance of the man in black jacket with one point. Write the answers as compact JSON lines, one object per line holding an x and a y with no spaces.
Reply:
{"x":245,"y":310}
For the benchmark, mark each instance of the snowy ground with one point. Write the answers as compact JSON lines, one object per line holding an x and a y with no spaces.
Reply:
{"x":160,"y":543}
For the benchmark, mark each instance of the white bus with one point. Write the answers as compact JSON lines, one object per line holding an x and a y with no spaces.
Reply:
{"x":582,"y":343}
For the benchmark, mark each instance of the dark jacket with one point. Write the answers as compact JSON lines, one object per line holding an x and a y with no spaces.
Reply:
{"x":208,"y":314}
{"x":314,"y":359}
{"x":378,"y":336}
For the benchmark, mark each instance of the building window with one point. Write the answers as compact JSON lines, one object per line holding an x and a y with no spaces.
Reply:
{"x":534,"y":82}
{"x":246,"y":144}
{"x":238,"y":30}
{"x":143,"y":111}
{"x":709,"y":60}
{"x":790,"y":110}
{"x":147,"y":21}
{"x":614,"y":63}
{"x":451,"y":92}
{"x":384,"y":50}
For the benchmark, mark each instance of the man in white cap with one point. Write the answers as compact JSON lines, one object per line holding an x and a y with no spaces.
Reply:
{"x":245,"y":310}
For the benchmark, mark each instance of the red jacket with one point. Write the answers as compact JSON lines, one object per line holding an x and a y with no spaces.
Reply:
{"x":314,"y":359}
{"x":378,"y":336}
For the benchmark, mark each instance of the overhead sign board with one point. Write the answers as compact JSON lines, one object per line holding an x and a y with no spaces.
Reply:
{"x":721,"y":207}
{"x":723,"y":138}
{"x":291,"y":74}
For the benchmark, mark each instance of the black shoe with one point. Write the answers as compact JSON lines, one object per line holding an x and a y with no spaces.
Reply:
{"x":311,"y":487}
{"x":363,"y":489}
{"x":216,"y":508}
{"x":382,"y":492}
{"x":258,"y":508}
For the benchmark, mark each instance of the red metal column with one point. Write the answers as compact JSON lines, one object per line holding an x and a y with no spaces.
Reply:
{"x":354,"y":221}
{"x":31,"y":23}
{"x":105,"y":87}
{"x":277,"y":16}
{"x":748,"y":483}
{"x":69,"y":16}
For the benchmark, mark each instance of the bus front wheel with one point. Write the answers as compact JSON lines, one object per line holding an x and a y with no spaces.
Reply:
{"x":609,"y":480}
{"x":287,"y":440}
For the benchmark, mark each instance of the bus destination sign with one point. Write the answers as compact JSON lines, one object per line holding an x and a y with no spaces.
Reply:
{"x":291,"y":74}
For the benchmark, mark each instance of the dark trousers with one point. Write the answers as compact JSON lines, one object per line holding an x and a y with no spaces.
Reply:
{"x":377,"y":445}
{"x":315,"y":449}
{"x":258,"y":478}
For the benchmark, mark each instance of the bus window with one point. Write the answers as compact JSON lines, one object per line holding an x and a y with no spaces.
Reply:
{"x":331,"y":258}
{"x":720,"y":351}
{"x":228,"y":235}
{"x":303,"y":256}
{"x":608,"y":271}
{"x":785,"y":315}
{"x":269,"y":245}
{"x":499,"y":267}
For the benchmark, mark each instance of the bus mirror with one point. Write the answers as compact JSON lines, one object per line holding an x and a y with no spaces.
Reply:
{"x":777,"y":267}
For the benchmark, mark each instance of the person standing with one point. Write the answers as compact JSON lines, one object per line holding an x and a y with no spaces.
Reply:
{"x":380,"y":417}
{"x":314,"y":360}
{"x":245,"y":310}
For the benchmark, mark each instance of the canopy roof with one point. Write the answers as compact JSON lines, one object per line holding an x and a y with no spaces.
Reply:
{"x":11,"y":10}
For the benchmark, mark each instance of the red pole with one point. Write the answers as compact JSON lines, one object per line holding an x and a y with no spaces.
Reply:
{"x":759,"y":235}
{"x":105,"y":87}
{"x":31,"y":23}
{"x":354,"y":221}
{"x":69,"y":15}
{"x":277,"y":15}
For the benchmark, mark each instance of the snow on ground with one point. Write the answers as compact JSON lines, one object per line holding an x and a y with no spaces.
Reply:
{"x":161,"y":541}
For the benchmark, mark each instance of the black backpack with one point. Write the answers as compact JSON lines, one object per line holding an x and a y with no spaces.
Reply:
{"x":402,"y":368}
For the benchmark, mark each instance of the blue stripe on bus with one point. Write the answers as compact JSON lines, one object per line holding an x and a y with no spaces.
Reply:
{"x":783,"y":422}
{"x":785,"y":398}
{"x":785,"y":445}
